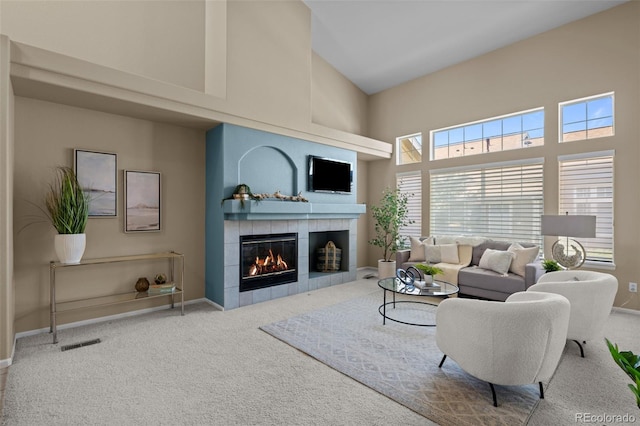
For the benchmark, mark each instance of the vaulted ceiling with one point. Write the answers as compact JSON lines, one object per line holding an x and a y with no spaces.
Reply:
{"x":378,"y":44}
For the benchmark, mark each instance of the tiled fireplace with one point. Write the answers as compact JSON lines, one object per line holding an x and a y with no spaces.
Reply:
{"x":308,"y":278}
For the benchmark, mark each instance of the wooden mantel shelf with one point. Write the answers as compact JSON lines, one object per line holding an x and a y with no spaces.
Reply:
{"x":42,"y":74}
{"x":284,"y":210}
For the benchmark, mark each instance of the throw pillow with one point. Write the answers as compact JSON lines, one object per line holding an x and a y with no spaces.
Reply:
{"x":432,"y":254}
{"x":449,"y":253}
{"x":521,"y":256}
{"x":417,"y":250}
{"x":496,"y":260}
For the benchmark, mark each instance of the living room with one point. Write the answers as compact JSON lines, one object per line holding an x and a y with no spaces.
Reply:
{"x":140,"y":93}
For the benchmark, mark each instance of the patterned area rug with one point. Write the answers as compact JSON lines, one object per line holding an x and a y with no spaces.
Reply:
{"x":401,"y":362}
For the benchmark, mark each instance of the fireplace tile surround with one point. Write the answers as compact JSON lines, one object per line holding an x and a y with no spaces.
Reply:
{"x":307,"y":280}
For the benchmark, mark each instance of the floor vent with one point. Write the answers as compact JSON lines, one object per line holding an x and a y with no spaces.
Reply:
{"x":79,"y":345}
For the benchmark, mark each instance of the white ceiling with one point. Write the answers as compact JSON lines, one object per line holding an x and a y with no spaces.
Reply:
{"x":379,"y":44}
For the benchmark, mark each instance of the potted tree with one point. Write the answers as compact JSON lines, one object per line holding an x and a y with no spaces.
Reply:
{"x":390,"y":215}
{"x":68,"y":210}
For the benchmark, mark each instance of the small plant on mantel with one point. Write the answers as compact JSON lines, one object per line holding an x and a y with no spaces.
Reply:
{"x":241,"y":192}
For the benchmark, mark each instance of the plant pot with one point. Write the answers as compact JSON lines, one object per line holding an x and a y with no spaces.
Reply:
{"x":386,"y":269}
{"x":428,"y":279}
{"x":70,"y":247}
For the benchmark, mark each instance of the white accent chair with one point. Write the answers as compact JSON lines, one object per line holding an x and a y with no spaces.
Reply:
{"x":591,"y":295}
{"x":516,"y":342}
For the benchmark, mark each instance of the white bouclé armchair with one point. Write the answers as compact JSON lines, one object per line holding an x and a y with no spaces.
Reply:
{"x":516,"y":342}
{"x":591,"y":295}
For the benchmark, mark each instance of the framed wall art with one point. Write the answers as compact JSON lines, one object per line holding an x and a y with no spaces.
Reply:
{"x":142,"y":201}
{"x":97,"y":174}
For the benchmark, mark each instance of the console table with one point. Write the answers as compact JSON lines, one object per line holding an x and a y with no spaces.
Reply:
{"x":113,"y":299}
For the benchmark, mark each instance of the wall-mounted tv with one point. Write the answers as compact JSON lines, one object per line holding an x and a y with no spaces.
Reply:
{"x":328,"y":175}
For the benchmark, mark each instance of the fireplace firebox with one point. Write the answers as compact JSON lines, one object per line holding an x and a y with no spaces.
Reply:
{"x":268,"y":260}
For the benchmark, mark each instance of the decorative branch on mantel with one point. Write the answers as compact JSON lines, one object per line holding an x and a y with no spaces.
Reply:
{"x":278,"y":195}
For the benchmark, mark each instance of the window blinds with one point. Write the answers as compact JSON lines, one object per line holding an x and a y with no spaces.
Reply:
{"x":411,"y":183}
{"x":586,"y":188}
{"x":502,"y":201}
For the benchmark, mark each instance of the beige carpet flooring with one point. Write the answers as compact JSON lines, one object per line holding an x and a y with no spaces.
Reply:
{"x":218,"y":368}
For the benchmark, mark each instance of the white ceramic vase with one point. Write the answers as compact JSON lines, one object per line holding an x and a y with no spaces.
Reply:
{"x":386,"y":269}
{"x":428,"y":279}
{"x":70,"y":247}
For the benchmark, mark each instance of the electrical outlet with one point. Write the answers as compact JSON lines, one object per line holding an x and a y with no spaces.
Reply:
{"x":633,"y":287}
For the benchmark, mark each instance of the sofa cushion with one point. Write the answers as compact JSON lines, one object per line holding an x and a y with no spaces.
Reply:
{"x":432,"y":254}
{"x":459,"y":239}
{"x":449,"y":253}
{"x":478,"y":250}
{"x":489,"y":280}
{"x":496,"y":260}
{"x":417,"y":248}
{"x":522,"y":256}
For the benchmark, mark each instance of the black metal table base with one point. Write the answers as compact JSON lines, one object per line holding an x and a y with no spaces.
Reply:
{"x":383,"y":310}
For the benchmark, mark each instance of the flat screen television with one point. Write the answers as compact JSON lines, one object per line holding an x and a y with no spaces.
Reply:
{"x":328,"y":175}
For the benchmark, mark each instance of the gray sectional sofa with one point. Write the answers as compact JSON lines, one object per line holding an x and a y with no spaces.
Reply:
{"x":473,"y":280}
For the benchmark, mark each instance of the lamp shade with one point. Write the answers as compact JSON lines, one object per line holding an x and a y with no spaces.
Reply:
{"x":569,"y":225}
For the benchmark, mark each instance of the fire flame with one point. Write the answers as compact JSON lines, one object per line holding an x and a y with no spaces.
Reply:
{"x":269,"y":264}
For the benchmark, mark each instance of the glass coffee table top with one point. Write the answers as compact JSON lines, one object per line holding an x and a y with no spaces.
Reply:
{"x":396,"y":286}
{"x":439,"y":288}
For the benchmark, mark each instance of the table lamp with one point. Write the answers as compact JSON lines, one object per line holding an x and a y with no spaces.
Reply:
{"x":569,"y":252}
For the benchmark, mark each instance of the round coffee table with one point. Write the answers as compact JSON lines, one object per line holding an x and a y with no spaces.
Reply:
{"x":395,"y":286}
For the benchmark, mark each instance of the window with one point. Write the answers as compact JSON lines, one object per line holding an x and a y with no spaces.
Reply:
{"x":502,"y":201}
{"x":411,"y":183}
{"x":587,"y":118}
{"x":409,"y":149}
{"x":586,"y":187}
{"x":520,"y":130}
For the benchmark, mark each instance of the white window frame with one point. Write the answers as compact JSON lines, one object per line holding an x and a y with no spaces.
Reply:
{"x":478,"y":199}
{"x":399,"y":148}
{"x":524,"y":139}
{"x":585,"y":100}
{"x":605,"y":223}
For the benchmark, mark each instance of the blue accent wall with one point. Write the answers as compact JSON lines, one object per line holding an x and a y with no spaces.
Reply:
{"x":214,"y":218}
{"x":267,"y":162}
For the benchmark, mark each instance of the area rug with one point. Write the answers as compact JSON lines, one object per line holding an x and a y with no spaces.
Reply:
{"x":401,"y":362}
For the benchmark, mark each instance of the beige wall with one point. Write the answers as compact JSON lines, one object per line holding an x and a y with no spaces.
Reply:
{"x":45,"y":136}
{"x":592,"y":56}
{"x":253,"y":56}
{"x":269,"y":61}
{"x":363,"y":220}
{"x":336,"y":101}
{"x":158,"y":39}
{"x":7,"y":294}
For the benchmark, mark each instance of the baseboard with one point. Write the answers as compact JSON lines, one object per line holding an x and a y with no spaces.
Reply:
{"x":212,"y":303}
{"x":626,"y":310}
{"x":4,"y":363}
{"x":109,"y":318}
